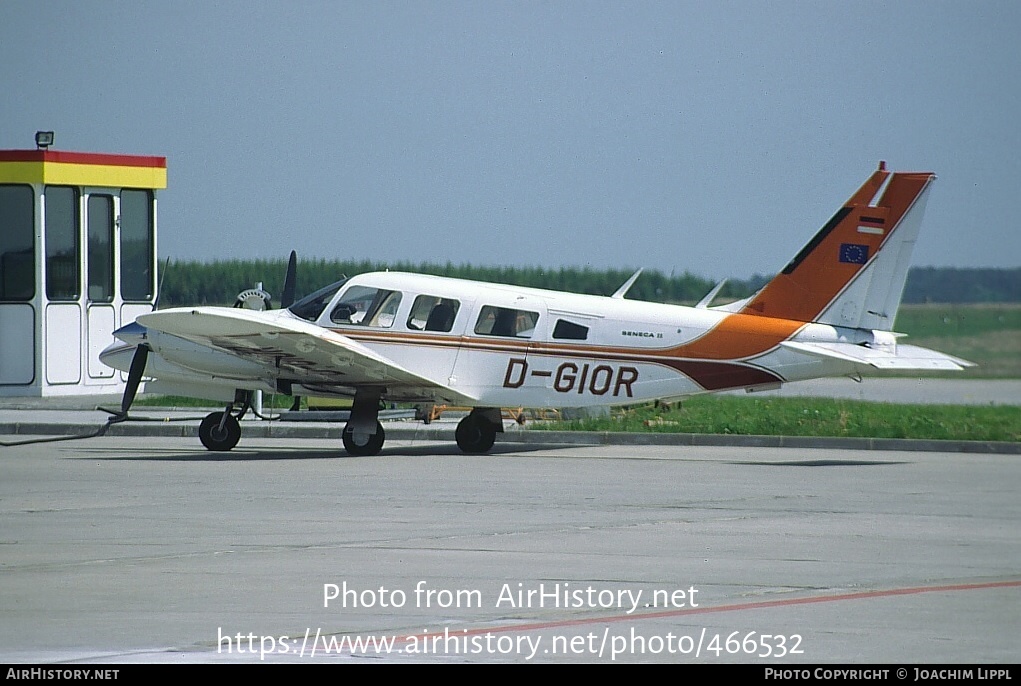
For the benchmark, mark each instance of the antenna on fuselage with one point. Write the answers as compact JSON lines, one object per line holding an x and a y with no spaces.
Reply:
{"x":710,"y":296}
{"x":620,"y":292}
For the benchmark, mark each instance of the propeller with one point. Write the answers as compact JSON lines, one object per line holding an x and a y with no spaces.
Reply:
{"x":141,"y":355}
{"x":287,"y":297}
{"x":258,"y":299}
{"x":290,"y":278}
{"x":135,"y":372}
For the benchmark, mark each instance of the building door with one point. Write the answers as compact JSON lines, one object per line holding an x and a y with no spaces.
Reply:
{"x":101,"y":315}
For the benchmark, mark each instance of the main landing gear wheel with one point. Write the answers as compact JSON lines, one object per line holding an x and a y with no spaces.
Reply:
{"x":218,"y":438}
{"x":475,"y":435}
{"x":371,"y":446}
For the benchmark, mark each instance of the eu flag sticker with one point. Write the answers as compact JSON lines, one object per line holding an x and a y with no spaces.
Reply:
{"x":854,"y":253}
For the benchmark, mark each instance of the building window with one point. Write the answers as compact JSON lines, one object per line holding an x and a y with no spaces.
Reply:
{"x":137,"y":249}
{"x":17,"y":243}
{"x":100,"y":248}
{"x":63,"y":244}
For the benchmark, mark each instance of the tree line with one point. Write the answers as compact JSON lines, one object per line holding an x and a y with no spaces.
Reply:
{"x":960,"y":286}
{"x":218,"y":283}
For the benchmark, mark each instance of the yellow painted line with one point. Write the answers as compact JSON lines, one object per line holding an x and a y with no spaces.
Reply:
{"x":69,"y":174}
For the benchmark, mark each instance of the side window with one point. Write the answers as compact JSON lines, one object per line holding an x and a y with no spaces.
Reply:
{"x":137,"y":245}
{"x":366,"y":306}
{"x":570,"y":331}
{"x":431,"y":313}
{"x":63,"y":243}
{"x":100,"y":262}
{"x":502,"y":321}
{"x":17,"y":243}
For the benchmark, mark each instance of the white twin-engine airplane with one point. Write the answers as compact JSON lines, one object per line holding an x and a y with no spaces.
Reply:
{"x":425,"y":339}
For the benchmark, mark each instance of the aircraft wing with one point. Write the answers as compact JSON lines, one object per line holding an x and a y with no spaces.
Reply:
{"x":905,"y":357}
{"x":297,"y":351}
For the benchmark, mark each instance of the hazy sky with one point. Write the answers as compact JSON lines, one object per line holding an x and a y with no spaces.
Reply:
{"x":712,"y":137}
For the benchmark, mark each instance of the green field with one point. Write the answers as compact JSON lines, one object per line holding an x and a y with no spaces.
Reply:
{"x":989,"y":335}
{"x":276,"y":401}
{"x":725,"y":414}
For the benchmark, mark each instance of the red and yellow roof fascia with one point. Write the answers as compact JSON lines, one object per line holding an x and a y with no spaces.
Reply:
{"x":60,"y":168}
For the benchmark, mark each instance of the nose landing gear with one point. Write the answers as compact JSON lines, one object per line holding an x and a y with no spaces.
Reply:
{"x":220,"y":431}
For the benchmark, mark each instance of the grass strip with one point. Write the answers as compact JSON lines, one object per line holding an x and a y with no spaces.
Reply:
{"x":718,"y":414}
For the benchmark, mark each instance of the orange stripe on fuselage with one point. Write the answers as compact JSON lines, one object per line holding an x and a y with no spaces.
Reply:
{"x":735,"y":337}
{"x":712,"y":373}
{"x":738,"y":336}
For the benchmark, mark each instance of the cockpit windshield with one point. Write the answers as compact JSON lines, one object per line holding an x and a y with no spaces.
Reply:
{"x":311,"y":306}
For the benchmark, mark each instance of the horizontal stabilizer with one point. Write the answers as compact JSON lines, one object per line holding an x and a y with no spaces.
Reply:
{"x":905,"y":357}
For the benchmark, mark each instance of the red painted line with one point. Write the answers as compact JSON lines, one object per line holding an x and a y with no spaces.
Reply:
{"x":786,"y":602}
{"x":68,"y":157}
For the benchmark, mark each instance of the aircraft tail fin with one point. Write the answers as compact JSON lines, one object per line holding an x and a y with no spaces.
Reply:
{"x":852,"y":272}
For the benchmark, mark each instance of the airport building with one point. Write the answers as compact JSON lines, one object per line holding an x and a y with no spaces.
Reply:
{"x":77,"y":261}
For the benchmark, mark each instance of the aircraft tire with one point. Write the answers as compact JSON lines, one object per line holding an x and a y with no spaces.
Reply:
{"x":215,"y":438}
{"x":372,"y":447}
{"x":474,"y":435}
